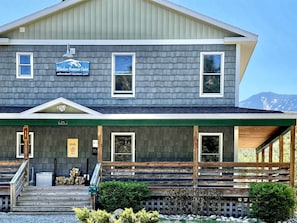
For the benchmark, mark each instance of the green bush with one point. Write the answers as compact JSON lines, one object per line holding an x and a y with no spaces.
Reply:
{"x":271,"y":202}
{"x":119,"y":194}
{"x":126,"y":216}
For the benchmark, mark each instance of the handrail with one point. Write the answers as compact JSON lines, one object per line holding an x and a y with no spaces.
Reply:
{"x":94,"y":183}
{"x":17,"y":183}
{"x":207,"y":174}
{"x":95,"y":180}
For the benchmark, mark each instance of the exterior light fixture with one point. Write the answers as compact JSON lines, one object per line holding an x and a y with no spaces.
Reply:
{"x":69,"y":53}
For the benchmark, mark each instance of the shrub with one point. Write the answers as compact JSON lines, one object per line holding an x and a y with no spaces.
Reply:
{"x":119,"y":194}
{"x":126,"y":216}
{"x":271,"y":202}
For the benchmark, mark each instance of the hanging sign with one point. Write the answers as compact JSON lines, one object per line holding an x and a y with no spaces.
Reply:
{"x":72,"y":67}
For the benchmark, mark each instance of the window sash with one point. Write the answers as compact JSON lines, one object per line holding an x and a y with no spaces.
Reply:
{"x":212,"y":77}
{"x":24,"y":65}
{"x":20,"y":145}
{"x":123,"y":75}
{"x":117,"y":155}
{"x":210,"y":152}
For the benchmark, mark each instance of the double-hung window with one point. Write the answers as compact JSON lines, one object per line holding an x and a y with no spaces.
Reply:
{"x":24,"y":65}
{"x":211,"y":74}
{"x":123,"y":74}
{"x":20,"y":145}
{"x":210,"y":150}
{"x":211,"y":147}
{"x":122,"y":149}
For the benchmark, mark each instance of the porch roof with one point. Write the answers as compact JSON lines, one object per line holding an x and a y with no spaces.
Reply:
{"x":256,"y":127}
{"x":157,"y":110}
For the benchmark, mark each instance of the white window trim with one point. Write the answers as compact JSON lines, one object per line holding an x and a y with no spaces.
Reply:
{"x":220,"y":144}
{"x":118,"y":94}
{"x":19,"y":135}
{"x":212,"y":95}
{"x":18,"y":54}
{"x":113,"y":135}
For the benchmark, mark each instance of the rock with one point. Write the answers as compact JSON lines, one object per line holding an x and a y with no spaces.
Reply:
{"x":117,"y":213}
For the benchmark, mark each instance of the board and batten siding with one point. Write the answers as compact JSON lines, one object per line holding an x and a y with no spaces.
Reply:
{"x":166,"y":75}
{"x":118,"y":20}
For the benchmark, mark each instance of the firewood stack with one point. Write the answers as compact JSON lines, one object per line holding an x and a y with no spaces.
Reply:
{"x":74,"y":178}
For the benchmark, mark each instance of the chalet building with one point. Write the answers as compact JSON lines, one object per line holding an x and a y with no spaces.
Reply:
{"x":116,"y":87}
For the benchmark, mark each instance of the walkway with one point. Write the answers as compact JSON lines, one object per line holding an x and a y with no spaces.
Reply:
{"x":17,"y":218}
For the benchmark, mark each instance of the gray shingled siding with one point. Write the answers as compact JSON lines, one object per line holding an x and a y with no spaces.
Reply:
{"x":165,"y":76}
{"x":152,"y":144}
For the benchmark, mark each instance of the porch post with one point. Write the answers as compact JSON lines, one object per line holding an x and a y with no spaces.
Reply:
{"x":270,"y":158}
{"x":26,"y":150}
{"x":292,"y":156}
{"x":257,"y":157}
{"x":100,"y":139}
{"x":263,"y":155}
{"x":281,"y":148}
{"x":195,"y":155}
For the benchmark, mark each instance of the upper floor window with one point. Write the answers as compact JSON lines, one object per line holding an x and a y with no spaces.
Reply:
{"x":123,"y":74}
{"x":212,"y":74}
{"x":24,"y":65}
{"x":20,"y":145}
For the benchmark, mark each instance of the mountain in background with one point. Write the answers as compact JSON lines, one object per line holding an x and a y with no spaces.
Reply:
{"x":271,"y":101}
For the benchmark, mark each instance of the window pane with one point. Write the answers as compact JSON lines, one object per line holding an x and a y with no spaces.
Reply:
{"x":123,"y":144}
{"x":210,"y":144}
{"x":24,"y":59}
{"x":122,"y":158}
{"x":212,"y":64}
{"x":25,"y":70}
{"x":211,"y":84}
{"x":123,"y":82}
{"x":210,"y":158}
{"x":123,"y":64}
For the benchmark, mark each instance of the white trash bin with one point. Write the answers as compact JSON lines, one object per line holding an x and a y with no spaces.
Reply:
{"x":44,"y":179}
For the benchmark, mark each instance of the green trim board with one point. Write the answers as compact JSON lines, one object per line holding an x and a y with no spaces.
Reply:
{"x":169,"y":122}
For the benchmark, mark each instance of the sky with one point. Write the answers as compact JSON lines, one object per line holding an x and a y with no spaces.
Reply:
{"x":273,"y":66}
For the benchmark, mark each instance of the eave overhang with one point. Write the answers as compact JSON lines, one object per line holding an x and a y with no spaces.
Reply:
{"x":150,"y":119}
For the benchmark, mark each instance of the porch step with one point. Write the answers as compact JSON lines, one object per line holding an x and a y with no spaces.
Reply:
{"x":52,"y":199}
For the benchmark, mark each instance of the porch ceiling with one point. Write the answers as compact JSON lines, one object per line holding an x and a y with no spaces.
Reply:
{"x":251,"y":137}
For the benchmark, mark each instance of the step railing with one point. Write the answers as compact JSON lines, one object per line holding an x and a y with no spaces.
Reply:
{"x":20,"y":179}
{"x":94,"y":183}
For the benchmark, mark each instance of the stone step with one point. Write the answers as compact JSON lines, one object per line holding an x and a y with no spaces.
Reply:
{"x":50,"y":203}
{"x":48,"y":209}
{"x":56,"y":188}
{"x":52,"y":199}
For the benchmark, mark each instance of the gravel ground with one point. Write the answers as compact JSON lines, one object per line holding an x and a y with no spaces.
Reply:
{"x":16,"y":218}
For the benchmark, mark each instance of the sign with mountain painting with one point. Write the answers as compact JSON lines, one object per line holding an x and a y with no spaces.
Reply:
{"x":72,"y":67}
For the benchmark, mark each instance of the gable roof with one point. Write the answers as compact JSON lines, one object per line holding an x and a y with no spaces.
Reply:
{"x":93,"y":22}
{"x":58,"y":106}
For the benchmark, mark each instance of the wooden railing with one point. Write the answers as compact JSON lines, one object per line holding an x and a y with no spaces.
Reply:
{"x":18,"y":182}
{"x":204,"y":174}
{"x":94,"y":183}
{"x":7,"y":171}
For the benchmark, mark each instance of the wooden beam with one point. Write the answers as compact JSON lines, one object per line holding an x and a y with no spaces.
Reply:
{"x":270,"y":152}
{"x":263,"y":155}
{"x":281,"y":148}
{"x":257,"y":157}
{"x":195,"y":154}
{"x":100,"y":143}
{"x":26,"y":141}
{"x":292,"y":157}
